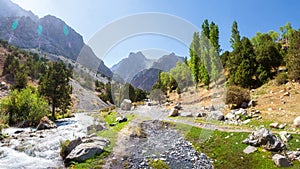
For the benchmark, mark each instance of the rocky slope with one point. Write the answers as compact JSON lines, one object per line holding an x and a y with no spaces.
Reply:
{"x":145,"y":79}
{"x":50,"y":34}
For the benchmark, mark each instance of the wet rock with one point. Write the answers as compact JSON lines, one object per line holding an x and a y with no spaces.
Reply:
{"x":186,"y":114}
{"x":281,"y":161}
{"x":174,"y":112}
{"x":95,"y":128}
{"x":121,"y":119}
{"x":249,"y":149}
{"x":87,"y":149}
{"x":46,"y":123}
{"x":216,"y":115}
{"x":264,"y":138}
{"x":67,"y":150}
{"x":297,"y":121}
{"x":126,"y":104}
{"x":19,"y":131}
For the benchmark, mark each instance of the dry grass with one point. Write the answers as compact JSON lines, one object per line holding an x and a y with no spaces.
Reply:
{"x":274,"y":106}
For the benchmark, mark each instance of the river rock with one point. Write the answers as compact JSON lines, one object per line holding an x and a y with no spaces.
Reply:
{"x":274,"y":125}
{"x":95,"y":128}
{"x":67,"y":150}
{"x":126,"y":104}
{"x":264,"y":138}
{"x":174,"y":112}
{"x":121,"y":119}
{"x":186,"y":114}
{"x":216,"y":115}
{"x":201,"y":114}
{"x":297,"y":121}
{"x":249,"y":149}
{"x":87,"y":149}
{"x":46,"y":123}
{"x":281,"y":161}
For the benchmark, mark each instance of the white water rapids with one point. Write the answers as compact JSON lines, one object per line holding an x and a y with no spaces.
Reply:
{"x":40,"y":149}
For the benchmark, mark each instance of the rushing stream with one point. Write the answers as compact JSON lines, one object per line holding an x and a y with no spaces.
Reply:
{"x":40,"y":149}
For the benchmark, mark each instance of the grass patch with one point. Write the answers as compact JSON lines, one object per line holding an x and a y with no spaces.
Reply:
{"x":158,"y":164}
{"x":226,"y":148}
{"x":111,"y":134}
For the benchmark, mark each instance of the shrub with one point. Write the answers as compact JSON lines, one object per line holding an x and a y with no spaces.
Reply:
{"x":281,"y":79}
{"x":236,"y":95}
{"x":24,"y":105}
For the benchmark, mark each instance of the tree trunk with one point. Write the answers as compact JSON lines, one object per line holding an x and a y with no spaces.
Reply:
{"x":53,"y":111}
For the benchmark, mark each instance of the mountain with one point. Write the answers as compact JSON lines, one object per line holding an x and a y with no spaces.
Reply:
{"x":142,"y":72}
{"x":50,"y":34}
{"x":167,"y":62}
{"x":128,"y":67}
{"x":145,"y":79}
{"x":10,"y":9}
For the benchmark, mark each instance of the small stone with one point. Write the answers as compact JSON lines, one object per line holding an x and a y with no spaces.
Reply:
{"x":274,"y":125}
{"x":249,"y":149}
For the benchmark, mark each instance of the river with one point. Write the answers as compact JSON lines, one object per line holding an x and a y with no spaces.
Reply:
{"x":40,"y":149}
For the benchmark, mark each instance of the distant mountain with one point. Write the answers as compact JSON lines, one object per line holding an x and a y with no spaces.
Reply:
{"x":145,"y":79}
{"x":55,"y":37}
{"x":10,"y":9}
{"x":142,"y":72}
{"x":128,"y":67}
{"x":167,"y":62}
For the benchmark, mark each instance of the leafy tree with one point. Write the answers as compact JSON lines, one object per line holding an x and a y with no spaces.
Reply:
{"x":182,"y":74}
{"x":20,"y":78}
{"x":195,"y":60}
{"x":205,"y":28}
{"x":140,"y":95}
{"x":286,"y":31}
{"x":235,"y":35}
{"x":214,"y":37}
{"x":293,"y":57}
{"x":268,"y":57}
{"x":54,"y":85}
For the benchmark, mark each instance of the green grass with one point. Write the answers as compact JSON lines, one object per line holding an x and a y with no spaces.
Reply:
{"x":158,"y":164}
{"x":226,"y":149}
{"x":111,"y":134}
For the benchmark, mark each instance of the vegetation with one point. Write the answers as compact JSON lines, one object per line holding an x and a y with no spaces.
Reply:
{"x":236,"y":95}
{"x":24,"y":105}
{"x":226,"y":149}
{"x":158,"y":164}
{"x":54,"y":85}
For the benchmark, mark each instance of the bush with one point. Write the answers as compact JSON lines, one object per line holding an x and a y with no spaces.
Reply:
{"x":236,"y":95}
{"x":24,"y":105}
{"x":281,"y":79}
{"x":158,"y":164}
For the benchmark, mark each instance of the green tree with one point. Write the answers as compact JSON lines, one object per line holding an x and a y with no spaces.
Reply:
{"x":20,"y":78}
{"x":293,"y":57}
{"x":242,"y":64}
{"x":195,"y":60}
{"x":205,"y":28}
{"x":235,"y":35}
{"x":268,"y":57}
{"x":54,"y":85}
{"x":286,"y":31}
{"x":182,"y":74}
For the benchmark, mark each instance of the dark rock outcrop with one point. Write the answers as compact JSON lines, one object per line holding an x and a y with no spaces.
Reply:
{"x":46,"y":123}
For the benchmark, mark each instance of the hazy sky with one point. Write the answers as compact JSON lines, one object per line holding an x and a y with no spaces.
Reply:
{"x":89,"y":16}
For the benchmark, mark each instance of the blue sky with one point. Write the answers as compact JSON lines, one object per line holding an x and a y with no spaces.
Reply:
{"x":89,"y":16}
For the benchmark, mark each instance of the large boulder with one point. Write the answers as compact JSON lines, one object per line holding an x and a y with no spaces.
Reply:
{"x":88,"y":148}
{"x":71,"y":145}
{"x":174,"y":112}
{"x":126,"y":104}
{"x":297,"y":121}
{"x":264,"y":138}
{"x":281,"y":161}
{"x":46,"y":123}
{"x":216,"y":115}
{"x":95,"y":128}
